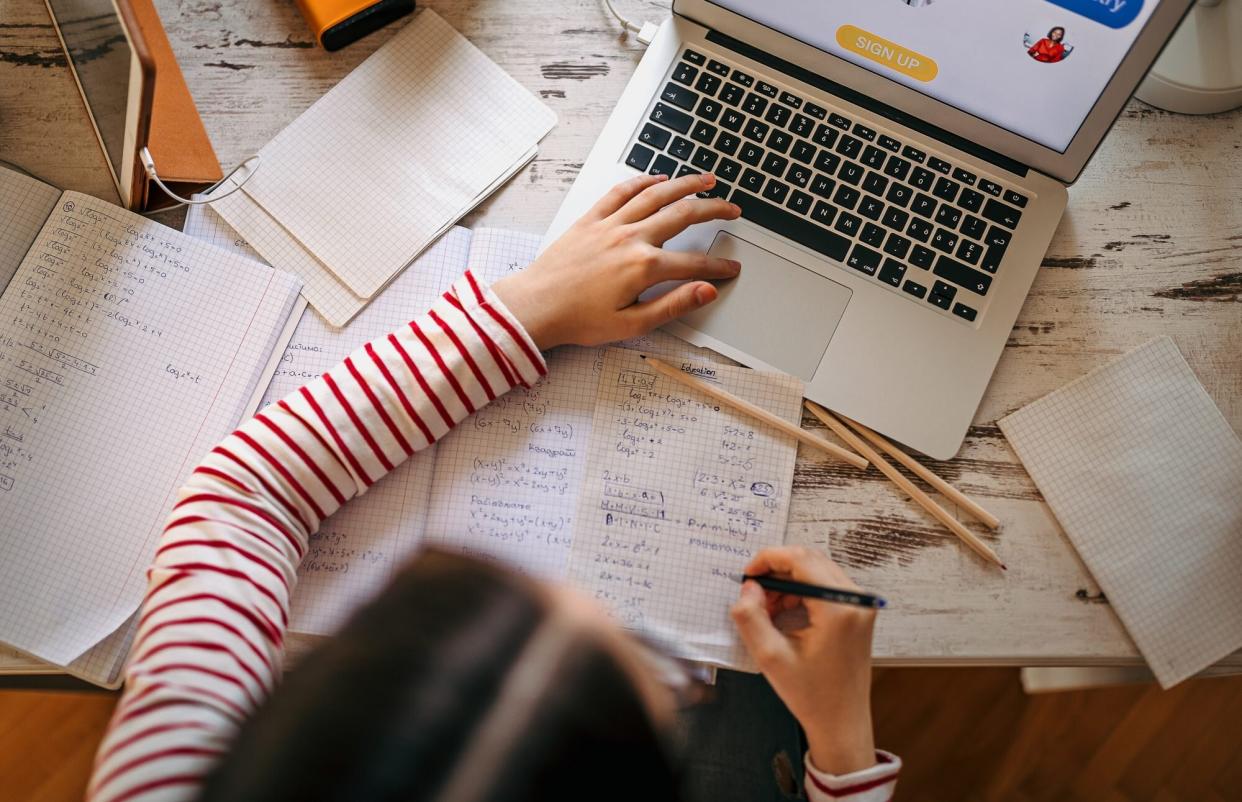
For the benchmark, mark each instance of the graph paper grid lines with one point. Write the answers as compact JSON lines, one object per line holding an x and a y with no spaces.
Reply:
{"x":1144,"y":475}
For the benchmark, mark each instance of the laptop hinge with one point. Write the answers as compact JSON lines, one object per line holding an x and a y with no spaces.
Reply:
{"x":868,"y":103}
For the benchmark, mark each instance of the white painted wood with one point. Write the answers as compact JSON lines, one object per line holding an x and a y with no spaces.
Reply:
{"x":1151,"y":244}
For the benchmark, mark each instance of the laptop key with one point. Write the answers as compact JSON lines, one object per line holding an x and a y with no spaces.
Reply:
{"x":997,"y":241}
{"x":940,"y":300}
{"x":892,"y":271}
{"x":897,"y":245}
{"x":827,"y":162}
{"x":667,"y":115}
{"x":840,"y":122}
{"x":791,"y":100}
{"x":728,"y":143}
{"x":728,"y":170}
{"x":823,"y":212}
{"x":963,"y":311}
{"x":922,"y":178}
{"x":693,"y":57}
{"x":923,"y":205}
{"x":898,"y":194}
{"x":741,"y":78}
{"x":939,"y":165}
{"x":920,"y":229}
{"x":686,"y":169}
{"x":1015,"y":198}
{"x":719,"y":190}
{"x":803,"y":151}
{"x":802,"y":125}
{"x":850,"y":173}
{"x":848,"y":223}
{"x":798,"y":174}
{"x":940,"y":288}
{"x":965,"y":176}
{"x":709,"y":109}
{"x":822,"y":185}
{"x":684,"y":74}
{"x":756,"y":130}
{"x":948,"y":216}
{"x":895,"y":218}
{"x":846,"y":196}
{"x":913,"y":154}
{"x":680,"y":96}
{"x":767,"y":89}
{"x":752,"y":180}
{"x":707,"y":84}
{"x":888,"y":143}
{"x":864,"y":259}
{"x":664,"y":166}
{"x":703,"y":132}
{"x":973,"y":227}
{"x":872,"y":234}
{"x":681,"y":148}
{"x":654,"y":136}
{"x":801,"y":231}
{"x":897,"y":167}
{"x":779,"y":140}
{"x":998,"y":212}
{"x":718,"y":68}
{"x":875,"y":183}
{"x":751,"y":154}
{"x":640,"y":157}
{"x":775,"y":165}
{"x":849,"y":146}
{"x":775,"y":191}
{"x":963,"y":276}
{"x":970,"y":200}
{"x":777,"y":115}
{"x":732,"y":120}
{"x":705,"y":159}
{"x":922,"y":257}
{"x":864,"y":132}
{"x":818,"y":112}
{"x":990,"y":187}
{"x":732,"y":94}
{"x":944,"y":240}
{"x":872,"y":156}
{"x":871,"y":208}
{"x":946,"y":189}
{"x":799,"y":202}
{"x":914,"y":288}
{"x":754,"y":104}
{"x":969,"y":251}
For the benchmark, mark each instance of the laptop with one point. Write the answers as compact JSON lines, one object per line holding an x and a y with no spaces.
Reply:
{"x":901,"y":166}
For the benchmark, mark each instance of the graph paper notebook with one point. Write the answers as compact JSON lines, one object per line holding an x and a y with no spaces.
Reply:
{"x":381,"y":165}
{"x":126,"y":351}
{"x":1144,"y":475}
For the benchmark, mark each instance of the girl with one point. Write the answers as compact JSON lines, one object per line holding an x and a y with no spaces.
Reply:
{"x":461,"y":681}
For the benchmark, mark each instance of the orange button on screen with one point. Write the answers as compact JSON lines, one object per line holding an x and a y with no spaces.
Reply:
{"x":890,"y":54}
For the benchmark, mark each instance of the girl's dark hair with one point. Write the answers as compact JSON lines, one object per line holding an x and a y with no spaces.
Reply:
{"x":1054,"y":29}
{"x":390,"y":707}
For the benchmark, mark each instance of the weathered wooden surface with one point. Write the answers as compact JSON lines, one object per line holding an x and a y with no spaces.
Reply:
{"x":1152,"y":244}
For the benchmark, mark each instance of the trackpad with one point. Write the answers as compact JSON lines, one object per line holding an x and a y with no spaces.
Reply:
{"x":775,"y":310}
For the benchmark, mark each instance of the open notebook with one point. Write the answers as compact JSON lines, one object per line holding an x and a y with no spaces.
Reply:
{"x":127,"y":350}
{"x":510,"y":482}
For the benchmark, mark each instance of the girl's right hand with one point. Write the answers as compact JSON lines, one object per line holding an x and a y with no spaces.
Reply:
{"x":823,"y":671}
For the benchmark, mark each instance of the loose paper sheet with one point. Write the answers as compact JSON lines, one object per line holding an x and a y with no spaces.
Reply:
{"x":1145,"y":476}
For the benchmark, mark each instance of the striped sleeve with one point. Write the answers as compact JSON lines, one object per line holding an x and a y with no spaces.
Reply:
{"x":875,"y":784}
{"x":209,"y":643}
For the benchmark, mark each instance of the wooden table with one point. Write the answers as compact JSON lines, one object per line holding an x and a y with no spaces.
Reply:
{"x":1151,"y":244}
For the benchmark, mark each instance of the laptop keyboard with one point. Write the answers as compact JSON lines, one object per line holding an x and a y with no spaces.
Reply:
{"x":933,"y":230}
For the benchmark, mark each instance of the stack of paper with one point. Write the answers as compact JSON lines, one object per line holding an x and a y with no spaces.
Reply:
{"x":383,"y":164}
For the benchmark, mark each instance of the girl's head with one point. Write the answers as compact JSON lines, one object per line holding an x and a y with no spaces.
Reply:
{"x":1056,"y":34}
{"x":461,"y":682}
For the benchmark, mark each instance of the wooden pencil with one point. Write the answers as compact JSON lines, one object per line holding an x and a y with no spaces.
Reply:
{"x":918,"y":469}
{"x":758,"y":413}
{"x":916,"y":494}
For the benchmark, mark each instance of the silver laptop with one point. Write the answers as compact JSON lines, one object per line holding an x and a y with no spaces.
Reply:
{"x":901,"y":166}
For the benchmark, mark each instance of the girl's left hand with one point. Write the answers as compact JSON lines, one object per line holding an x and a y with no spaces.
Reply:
{"x":584,"y":288}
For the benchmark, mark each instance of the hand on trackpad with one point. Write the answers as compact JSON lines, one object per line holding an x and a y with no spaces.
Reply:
{"x":776,"y":310}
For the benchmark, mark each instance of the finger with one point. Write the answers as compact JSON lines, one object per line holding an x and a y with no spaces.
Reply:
{"x":654,"y":198}
{"x":622,"y":194}
{"x":677,"y":217}
{"x":759,"y":635}
{"x":673,"y":304}
{"x":687,"y":266}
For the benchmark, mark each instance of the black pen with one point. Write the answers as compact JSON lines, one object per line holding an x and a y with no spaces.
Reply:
{"x":816,"y":592}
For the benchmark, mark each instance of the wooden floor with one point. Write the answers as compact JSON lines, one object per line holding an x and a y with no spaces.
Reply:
{"x":965,"y":734}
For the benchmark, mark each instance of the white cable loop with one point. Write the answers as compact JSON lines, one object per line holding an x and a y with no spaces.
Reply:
{"x":148,"y":164}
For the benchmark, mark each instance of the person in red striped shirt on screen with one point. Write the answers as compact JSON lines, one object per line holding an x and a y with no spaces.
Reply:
{"x":460,"y":681}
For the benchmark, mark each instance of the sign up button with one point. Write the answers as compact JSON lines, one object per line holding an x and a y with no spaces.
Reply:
{"x":889,"y":54}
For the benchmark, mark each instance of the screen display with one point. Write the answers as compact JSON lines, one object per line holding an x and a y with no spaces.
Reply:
{"x":1033,"y":67}
{"x":100,"y":55}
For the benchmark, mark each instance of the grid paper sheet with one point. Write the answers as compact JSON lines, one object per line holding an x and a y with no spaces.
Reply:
{"x":1145,"y":476}
{"x":679,"y":493}
{"x":126,"y":351}
{"x":401,"y":148}
{"x":507,"y":479}
{"x":26,"y":203}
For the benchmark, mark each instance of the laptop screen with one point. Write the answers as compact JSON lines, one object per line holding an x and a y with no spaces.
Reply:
{"x":1032,"y":67}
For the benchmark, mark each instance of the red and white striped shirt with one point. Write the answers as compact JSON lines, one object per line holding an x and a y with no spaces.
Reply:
{"x":210,"y":637}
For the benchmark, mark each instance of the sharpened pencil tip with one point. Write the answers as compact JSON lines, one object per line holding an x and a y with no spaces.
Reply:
{"x":642,"y":356}
{"x":1004,"y":567}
